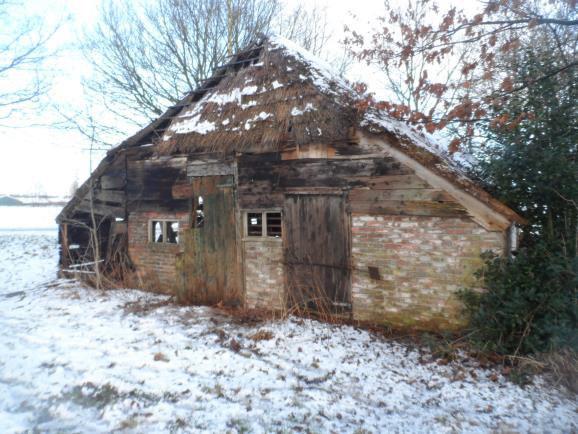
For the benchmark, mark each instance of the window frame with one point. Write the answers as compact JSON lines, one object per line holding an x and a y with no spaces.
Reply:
{"x":264,"y":230}
{"x":164,"y":225}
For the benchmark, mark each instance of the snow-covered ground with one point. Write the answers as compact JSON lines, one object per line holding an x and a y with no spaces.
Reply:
{"x":74,"y":359}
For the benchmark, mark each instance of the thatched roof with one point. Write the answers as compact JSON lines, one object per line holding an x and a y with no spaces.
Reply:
{"x":272,"y":95}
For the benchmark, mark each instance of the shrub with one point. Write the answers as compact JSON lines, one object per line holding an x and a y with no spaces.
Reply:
{"x":529,"y":304}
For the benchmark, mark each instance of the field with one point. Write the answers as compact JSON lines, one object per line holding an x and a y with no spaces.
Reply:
{"x":78,"y":360}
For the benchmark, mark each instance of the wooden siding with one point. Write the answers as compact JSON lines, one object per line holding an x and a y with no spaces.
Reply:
{"x":375,"y":185}
{"x":150,"y":182}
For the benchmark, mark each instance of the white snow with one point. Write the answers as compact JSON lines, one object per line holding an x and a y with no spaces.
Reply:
{"x":193,"y":125}
{"x":380,"y":119}
{"x":79,"y":360}
{"x":322,"y":73}
{"x":298,"y":112}
{"x":260,"y":117}
{"x":276,"y":85}
{"x":192,"y":122}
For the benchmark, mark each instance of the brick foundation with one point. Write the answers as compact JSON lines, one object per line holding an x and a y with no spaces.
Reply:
{"x":155,"y":262}
{"x":263,"y":273}
{"x":421,"y":262}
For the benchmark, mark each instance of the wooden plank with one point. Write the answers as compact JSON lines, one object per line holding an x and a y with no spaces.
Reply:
{"x":112,"y":182}
{"x":115,"y":196}
{"x":412,"y":208}
{"x":153,"y":180}
{"x":411,"y":194}
{"x":261,"y":201}
{"x":201,"y":168}
{"x":316,"y":172}
{"x":390,"y":182}
{"x":183,"y":191}
{"x":169,"y":205}
{"x":100,"y":208}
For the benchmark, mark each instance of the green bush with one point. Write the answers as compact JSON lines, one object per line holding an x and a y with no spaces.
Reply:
{"x":529,"y":304}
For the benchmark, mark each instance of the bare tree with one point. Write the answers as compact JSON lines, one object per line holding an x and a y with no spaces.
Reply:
{"x":148,"y":56}
{"x":22,"y":53}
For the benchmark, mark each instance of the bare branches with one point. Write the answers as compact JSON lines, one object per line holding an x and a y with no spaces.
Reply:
{"x":148,"y":56}
{"x":22,"y":54}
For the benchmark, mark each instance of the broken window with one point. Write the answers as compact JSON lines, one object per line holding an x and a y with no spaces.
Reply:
{"x":199,"y":212}
{"x":157,"y":232}
{"x":264,"y":224}
{"x":254,"y":224}
{"x":164,"y":231}
{"x":273,"y":224}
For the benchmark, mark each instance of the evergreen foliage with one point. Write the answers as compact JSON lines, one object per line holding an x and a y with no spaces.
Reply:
{"x":529,"y":304}
{"x":531,"y":162}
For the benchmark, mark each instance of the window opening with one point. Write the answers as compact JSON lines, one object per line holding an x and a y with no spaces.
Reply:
{"x":264,"y":224}
{"x":164,"y":231}
{"x":157,"y":232}
{"x":200,"y":212}
{"x":273,"y":224}
{"x":254,"y":224}
{"x":172,"y":232}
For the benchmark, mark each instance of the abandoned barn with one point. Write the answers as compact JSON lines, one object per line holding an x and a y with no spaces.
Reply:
{"x":267,"y":187}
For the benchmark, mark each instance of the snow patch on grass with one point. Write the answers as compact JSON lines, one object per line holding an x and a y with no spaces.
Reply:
{"x":76,"y":359}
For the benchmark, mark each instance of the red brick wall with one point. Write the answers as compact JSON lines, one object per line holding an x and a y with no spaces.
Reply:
{"x":155,"y":262}
{"x":421,"y":262}
{"x":264,"y":287}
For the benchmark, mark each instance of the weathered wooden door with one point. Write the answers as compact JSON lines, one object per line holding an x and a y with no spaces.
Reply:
{"x":316,"y":251}
{"x":209,"y":262}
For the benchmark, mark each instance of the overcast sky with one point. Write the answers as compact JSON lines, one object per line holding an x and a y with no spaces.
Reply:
{"x":36,"y":159}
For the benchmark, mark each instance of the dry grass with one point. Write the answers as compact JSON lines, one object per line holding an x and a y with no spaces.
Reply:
{"x":562,"y":368}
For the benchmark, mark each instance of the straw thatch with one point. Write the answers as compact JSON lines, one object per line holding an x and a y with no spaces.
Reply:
{"x":269,"y":97}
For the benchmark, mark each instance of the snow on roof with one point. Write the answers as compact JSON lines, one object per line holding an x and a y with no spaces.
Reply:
{"x":377,"y":120}
{"x":322,"y":73}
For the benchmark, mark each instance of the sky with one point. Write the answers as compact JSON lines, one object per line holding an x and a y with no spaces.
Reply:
{"x":38,"y":158}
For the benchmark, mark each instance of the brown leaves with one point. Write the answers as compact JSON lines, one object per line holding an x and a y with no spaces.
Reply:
{"x":507,"y":84}
{"x":454,"y":146}
{"x":469,"y":67}
{"x":448,"y":20}
{"x":261,"y":335}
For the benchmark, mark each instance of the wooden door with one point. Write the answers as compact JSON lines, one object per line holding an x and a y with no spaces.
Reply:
{"x":209,"y":262}
{"x":316,"y":251}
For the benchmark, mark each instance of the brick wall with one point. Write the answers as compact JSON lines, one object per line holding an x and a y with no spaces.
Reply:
{"x":263,"y":273}
{"x":421,"y":262}
{"x":155,"y":262}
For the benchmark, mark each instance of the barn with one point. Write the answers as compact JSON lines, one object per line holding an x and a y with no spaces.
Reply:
{"x":267,"y":187}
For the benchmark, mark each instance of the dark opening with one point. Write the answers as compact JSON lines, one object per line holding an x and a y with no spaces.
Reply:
{"x":374,"y":273}
{"x":274,"y":224}
{"x":172,"y":232}
{"x":200,"y":212}
{"x":254,"y":224}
